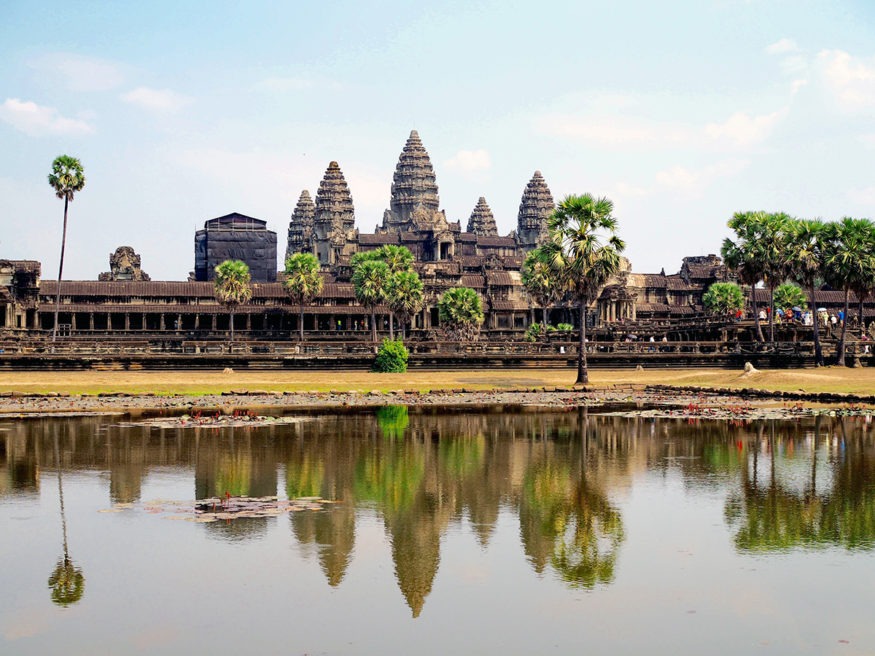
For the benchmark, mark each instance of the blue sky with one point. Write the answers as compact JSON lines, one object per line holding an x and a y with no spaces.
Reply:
{"x":682,"y":112}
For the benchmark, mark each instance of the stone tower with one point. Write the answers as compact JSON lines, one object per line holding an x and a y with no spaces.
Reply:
{"x":300,"y":239}
{"x":535,"y":208}
{"x":482,"y":222}
{"x":414,"y":204}
{"x":334,"y":220}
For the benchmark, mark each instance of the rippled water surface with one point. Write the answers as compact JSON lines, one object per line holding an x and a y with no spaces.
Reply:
{"x":489,"y":533}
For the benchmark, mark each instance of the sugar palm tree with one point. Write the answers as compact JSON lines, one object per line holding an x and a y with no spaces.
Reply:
{"x":369,"y":279}
{"x":405,"y":296}
{"x":232,"y":287}
{"x":745,"y":255}
{"x":539,"y":282}
{"x":583,"y":250}
{"x":460,"y":312}
{"x":805,"y":253}
{"x":303,"y":283}
{"x":773,"y":251}
{"x":849,"y":262}
{"x":67,"y":177}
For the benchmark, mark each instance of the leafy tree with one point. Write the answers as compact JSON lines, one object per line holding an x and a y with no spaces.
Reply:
{"x":406,"y":297}
{"x":849,"y":263}
{"x":370,"y":278}
{"x":805,"y":253}
{"x":303,"y":283}
{"x":232,"y":287}
{"x":460,"y":312}
{"x":539,"y":281}
{"x":583,"y":251}
{"x":67,"y":177}
{"x":723,"y":298}
{"x":788,"y":296}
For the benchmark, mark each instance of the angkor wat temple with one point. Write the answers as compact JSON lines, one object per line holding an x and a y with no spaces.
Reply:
{"x":124,"y":300}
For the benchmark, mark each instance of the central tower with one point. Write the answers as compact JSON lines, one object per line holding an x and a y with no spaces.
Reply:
{"x":414,"y":205}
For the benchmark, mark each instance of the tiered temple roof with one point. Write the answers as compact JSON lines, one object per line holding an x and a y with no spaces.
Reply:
{"x":535,"y":208}
{"x":333,"y":201}
{"x":413,"y":186}
{"x":301,"y":226}
{"x":482,"y":222}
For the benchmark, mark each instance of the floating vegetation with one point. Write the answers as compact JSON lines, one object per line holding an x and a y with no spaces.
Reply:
{"x":224,"y":508}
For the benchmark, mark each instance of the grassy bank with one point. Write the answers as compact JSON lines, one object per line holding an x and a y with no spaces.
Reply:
{"x":827,"y":379}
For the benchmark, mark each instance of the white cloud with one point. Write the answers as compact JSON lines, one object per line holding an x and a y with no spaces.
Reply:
{"x":743,"y":130}
{"x":684,"y":180}
{"x":782,"y":47}
{"x":797,"y":85}
{"x":469,"y":161}
{"x":156,"y":100}
{"x":613,"y":130}
{"x":851,"y":80}
{"x":37,"y":121}
{"x":79,"y":72}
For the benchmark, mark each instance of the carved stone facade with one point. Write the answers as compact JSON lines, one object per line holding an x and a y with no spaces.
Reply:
{"x":124,"y":264}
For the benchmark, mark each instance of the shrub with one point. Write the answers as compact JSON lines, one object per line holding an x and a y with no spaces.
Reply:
{"x":391,"y":358}
{"x":535,"y":332}
{"x":565,"y":326}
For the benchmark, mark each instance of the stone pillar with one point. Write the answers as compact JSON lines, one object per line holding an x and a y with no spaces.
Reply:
{"x":143,"y":324}
{"x":127,"y":321}
{"x":248,"y":322}
{"x":161,"y":322}
{"x":197,"y":321}
{"x":109,"y":322}
{"x":73,"y":321}
{"x":178,"y":322}
{"x":91,"y":321}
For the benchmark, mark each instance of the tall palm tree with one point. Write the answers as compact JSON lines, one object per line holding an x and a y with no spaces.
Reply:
{"x":539,"y":282}
{"x":232,"y":286}
{"x":399,"y":259}
{"x":67,"y":177}
{"x":303,"y":283}
{"x":369,"y":279}
{"x":583,"y":249}
{"x":805,"y":253}
{"x":773,"y":251}
{"x":849,"y":262}
{"x":744,"y":256}
{"x":405,"y":296}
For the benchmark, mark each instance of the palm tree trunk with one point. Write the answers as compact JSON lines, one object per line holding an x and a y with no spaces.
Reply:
{"x":771,"y":314}
{"x":301,"y":324}
{"x":60,"y":270}
{"x":391,"y":326}
{"x":231,"y":321}
{"x":373,"y":326}
{"x":756,"y":314}
{"x":818,"y":349}
{"x":582,"y":371}
{"x":840,"y":360}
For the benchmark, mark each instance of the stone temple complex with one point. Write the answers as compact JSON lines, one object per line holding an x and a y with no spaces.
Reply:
{"x":124,"y":300}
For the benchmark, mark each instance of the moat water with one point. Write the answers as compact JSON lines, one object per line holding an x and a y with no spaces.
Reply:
{"x":498,"y":533}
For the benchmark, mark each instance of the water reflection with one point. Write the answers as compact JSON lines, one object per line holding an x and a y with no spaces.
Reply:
{"x":563,"y":476}
{"x":66,"y":581}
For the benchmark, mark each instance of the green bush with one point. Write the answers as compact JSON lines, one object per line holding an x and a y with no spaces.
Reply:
{"x":534,"y":332}
{"x":565,"y":326}
{"x":391,"y":358}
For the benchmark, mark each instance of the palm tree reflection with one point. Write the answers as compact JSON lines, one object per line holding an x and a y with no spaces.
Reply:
{"x":66,"y":581}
